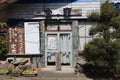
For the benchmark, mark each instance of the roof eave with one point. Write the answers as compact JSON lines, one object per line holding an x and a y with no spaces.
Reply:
{"x":5,"y":3}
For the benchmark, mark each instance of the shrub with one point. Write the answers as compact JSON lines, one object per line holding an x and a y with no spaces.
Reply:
{"x":104,"y":50}
{"x":94,"y":16}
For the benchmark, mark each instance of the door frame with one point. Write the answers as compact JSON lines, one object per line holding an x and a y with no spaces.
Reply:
{"x":58,"y":50}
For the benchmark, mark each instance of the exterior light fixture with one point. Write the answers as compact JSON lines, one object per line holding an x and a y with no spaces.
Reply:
{"x":48,"y":13}
{"x":67,"y":12}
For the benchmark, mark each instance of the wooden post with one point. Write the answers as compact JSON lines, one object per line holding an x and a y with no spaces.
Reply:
{"x":58,"y":61}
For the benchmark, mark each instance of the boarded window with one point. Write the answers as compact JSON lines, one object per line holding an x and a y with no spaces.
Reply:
{"x":32,"y":38}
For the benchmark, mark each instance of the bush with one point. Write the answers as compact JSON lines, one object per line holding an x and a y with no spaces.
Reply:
{"x":116,"y":50}
{"x":3,"y":42}
{"x":94,"y":71}
{"x":96,"y":52}
{"x":3,"y":47}
{"x":94,"y":16}
{"x":104,"y":50}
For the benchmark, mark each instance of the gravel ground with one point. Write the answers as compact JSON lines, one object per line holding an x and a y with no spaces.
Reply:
{"x":50,"y":74}
{"x":38,"y":78}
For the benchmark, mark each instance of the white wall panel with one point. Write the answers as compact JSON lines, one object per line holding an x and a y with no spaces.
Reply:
{"x":32,"y":42}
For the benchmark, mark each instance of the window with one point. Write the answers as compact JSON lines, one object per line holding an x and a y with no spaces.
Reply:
{"x":84,"y":36}
{"x":58,"y":27}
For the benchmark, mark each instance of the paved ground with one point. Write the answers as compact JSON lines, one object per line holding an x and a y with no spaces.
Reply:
{"x":51,"y":74}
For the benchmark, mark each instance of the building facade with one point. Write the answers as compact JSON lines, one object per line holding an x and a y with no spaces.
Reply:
{"x":42,"y":30}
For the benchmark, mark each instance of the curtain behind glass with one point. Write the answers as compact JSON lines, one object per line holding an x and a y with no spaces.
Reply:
{"x":65,"y":48}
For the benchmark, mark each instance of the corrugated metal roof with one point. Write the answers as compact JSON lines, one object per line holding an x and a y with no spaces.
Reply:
{"x":55,"y":1}
{"x":44,"y":1}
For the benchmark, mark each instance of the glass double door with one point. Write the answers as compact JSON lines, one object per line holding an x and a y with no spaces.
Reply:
{"x":58,"y":43}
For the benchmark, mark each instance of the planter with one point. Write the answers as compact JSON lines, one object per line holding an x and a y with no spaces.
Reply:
{"x":29,"y":73}
{"x":16,"y":74}
{"x":37,"y":69}
{"x":4,"y":72}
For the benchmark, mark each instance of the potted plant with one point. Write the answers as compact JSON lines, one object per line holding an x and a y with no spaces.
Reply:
{"x":16,"y":72}
{"x":29,"y":73}
{"x":4,"y":71}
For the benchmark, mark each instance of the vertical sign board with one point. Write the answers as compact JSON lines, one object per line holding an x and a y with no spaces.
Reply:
{"x":21,"y":48}
{"x":16,"y":40}
{"x":32,"y":38}
{"x":58,"y":61}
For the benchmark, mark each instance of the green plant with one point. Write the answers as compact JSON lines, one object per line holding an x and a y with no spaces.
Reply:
{"x":107,"y":12}
{"x":94,"y":16}
{"x":104,"y":49}
{"x":16,"y":71}
{"x":96,"y":52}
{"x":3,"y":47}
{"x":3,"y":42}
{"x":3,"y":70}
{"x":29,"y":72}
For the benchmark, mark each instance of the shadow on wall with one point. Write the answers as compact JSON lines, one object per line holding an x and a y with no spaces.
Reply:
{"x":66,"y":2}
{"x":47,"y":1}
{"x":23,"y":8}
